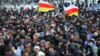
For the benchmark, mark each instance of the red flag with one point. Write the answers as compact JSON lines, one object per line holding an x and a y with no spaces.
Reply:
{"x":71,"y":10}
{"x":45,"y":6}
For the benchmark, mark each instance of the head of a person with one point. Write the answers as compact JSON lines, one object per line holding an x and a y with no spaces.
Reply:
{"x":8,"y":51}
{"x":22,"y":39}
{"x":47,"y":45}
{"x":42,"y":43}
{"x":4,"y":29}
{"x":47,"y":27}
{"x":91,"y":42}
{"x":18,"y":30}
{"x":10,"y":33}
{"x":28,"y":44}
{"x":72,"y":37}
{"x":29,"y":29}
{"x":98,"y":41}
{"x":36,"y":36}
{"x":26,"y":53}
{"x":36,"y":49}
{"x":60,"y":36}
{"x":77,"y":37}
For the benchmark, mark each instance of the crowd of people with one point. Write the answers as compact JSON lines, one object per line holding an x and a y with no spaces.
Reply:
{"x":30,"y":33}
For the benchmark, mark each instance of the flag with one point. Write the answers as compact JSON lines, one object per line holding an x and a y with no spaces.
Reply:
{"x":45,"y":6}
{"x":71,"y":10}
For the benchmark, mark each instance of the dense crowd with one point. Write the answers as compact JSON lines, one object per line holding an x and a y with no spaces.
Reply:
{"x":30,"y":33}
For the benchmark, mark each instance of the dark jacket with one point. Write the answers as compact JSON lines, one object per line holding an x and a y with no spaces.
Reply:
{"x":1,"y":50}
{"x":99,"y":51}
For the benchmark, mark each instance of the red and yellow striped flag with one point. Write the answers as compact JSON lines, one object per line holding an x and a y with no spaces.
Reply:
{"x":45,"y":6}
{"x":71,"y":10}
